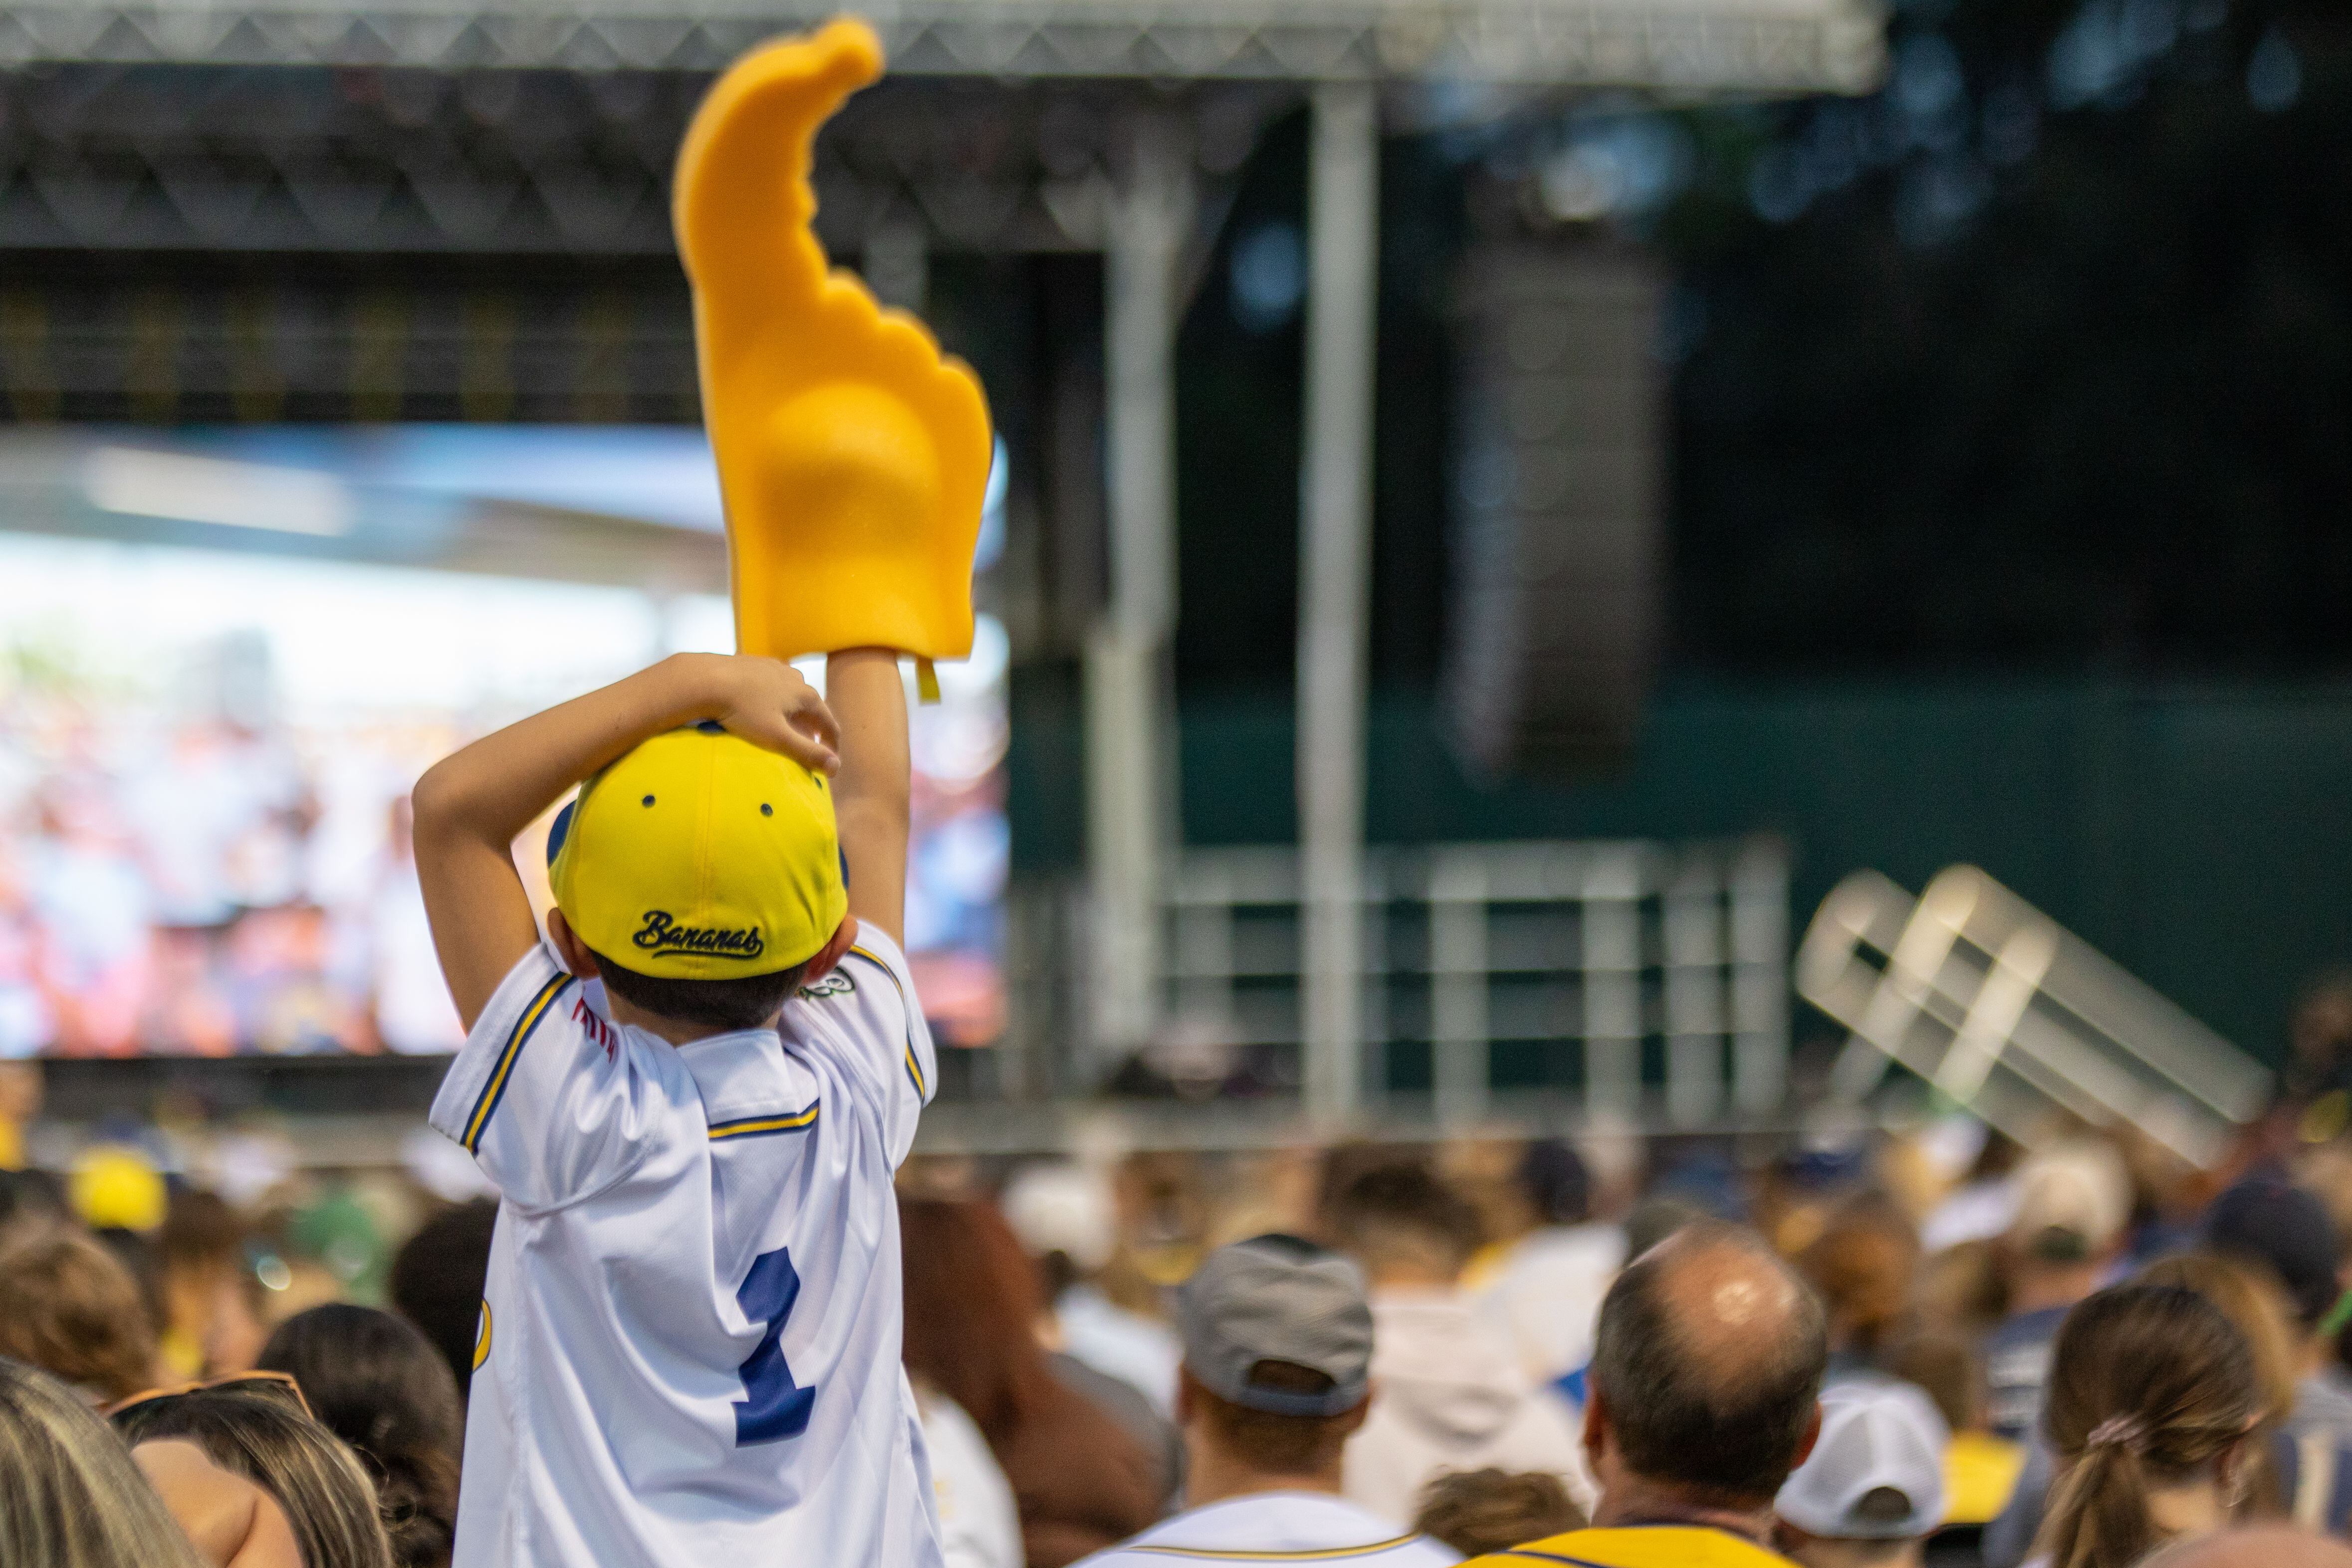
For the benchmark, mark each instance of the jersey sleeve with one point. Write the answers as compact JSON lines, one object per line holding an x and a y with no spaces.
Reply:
{"x":546,"y":1095}
{"x":871,"y":1000}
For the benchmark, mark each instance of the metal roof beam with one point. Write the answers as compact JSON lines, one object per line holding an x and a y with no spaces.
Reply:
{"x":1682,"y":45}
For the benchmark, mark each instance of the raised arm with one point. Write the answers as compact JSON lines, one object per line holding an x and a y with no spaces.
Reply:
{"x":472,"y":805}
{"x":872,"y":796}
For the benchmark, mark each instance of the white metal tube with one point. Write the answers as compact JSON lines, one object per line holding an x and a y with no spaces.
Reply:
{"x":1129,"y":719}
{"x":1335,"y":585}
{"x":1460,"y":1026}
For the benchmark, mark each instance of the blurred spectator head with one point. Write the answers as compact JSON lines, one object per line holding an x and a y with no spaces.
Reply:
{"x":1062,"y":1212}
{"x":2321,"y":1029}
{"x":2073,"y":1200}
{"x":2256,"y":1307}
{"x":2150,"y":1388}
{"x":21,"y":1091}
{"x":69,"y":1307}
{"x":1964,"y":1286}
{"x":1873,"y":1489}
{"x":2275,"y":1225}
{"x":1162,"y":1199}
{"x":1343,"y":1162}
{"x":1862,"y":1264}
{"x":1404,"y":1225}
{"x":29,"y":1198}
{"x":1558,"y":1184}
{"x":1705,"y":1368}
{"x":436,"y":1281}
{"x":73,"y":1499}
{"x":212,"y":1298}
{"x":378,"y":1383}
{"x":1277,"y":1336}
{"x":2165,"y":1186}
{"x":2326,"y":1170}
{"x":1485,"y":1169}
{"x":233,"y":1462}
{"x":1518,"y":1184}
{"x":1479,"y":1511}
{"x":1942,"y":1364}
{"x":143,"y":1261}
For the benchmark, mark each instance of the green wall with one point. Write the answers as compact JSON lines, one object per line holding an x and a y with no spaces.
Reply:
{"x":2201,"y":835}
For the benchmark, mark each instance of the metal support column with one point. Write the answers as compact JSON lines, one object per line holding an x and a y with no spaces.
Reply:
{"x":1335,"y":585}
{"x":1129,"y":685}
{"x":1460,"y":1022}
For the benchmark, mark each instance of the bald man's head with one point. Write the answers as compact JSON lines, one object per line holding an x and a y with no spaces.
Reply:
{"x":1707,"y":1363}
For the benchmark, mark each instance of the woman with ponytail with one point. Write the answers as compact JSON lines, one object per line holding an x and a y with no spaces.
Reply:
{"x":2151,"y":1401}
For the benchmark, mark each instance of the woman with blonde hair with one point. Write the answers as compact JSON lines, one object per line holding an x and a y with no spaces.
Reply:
{"x":2151,"y":1408}
{"x":253,"y":1478}
{"x":71,"y":1497}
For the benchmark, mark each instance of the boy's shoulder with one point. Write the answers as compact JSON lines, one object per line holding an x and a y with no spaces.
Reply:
{"x":872,"y":974}
{"x":865,"y":1003}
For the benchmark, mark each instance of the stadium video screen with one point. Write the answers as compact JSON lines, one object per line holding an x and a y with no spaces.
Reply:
{"x":209,"y":725}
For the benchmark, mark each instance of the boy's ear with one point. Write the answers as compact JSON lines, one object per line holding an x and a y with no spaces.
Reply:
{"x":575,"y":954}
{"x":832,"y":952}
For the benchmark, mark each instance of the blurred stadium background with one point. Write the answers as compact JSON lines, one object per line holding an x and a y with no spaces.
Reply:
{"x":1502,"y":507}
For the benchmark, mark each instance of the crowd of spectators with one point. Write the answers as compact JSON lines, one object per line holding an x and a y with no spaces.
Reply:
{"x":1867,"y":1351}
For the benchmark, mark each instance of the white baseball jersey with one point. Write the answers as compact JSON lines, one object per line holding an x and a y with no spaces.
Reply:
{"x":688,"y":1351}
{"x":1276,"y":1527}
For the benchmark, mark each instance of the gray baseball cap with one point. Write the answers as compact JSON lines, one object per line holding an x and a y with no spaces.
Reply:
{"x":1277,"y":1298}
{"x":1877,"y":1472}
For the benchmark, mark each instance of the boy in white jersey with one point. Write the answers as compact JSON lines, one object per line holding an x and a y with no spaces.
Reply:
{"x":692,"y":1098}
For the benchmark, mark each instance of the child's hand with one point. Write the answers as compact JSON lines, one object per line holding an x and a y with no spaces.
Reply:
{"x":766,"y":702}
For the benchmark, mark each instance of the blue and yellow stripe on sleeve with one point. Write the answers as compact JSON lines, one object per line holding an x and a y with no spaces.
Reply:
{"x":906,"y":1004}
{"x":494,"y":1090}
{"x":765,"y":1126}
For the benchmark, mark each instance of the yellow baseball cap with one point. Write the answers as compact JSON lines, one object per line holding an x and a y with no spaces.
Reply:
{"x":115,"y":1187}
{"x":701,"y":856}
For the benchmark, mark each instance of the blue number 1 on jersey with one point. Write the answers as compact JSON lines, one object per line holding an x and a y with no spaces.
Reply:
{"x":778,"y":1407}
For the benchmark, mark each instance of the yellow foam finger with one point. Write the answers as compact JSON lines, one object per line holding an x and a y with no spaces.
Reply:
{"x":853,"y":456}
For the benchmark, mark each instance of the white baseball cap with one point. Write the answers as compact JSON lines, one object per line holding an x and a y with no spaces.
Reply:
{"x":2073,"y":1200}
{"x":1877,"y":1472}
{"x":1060,"y":1206}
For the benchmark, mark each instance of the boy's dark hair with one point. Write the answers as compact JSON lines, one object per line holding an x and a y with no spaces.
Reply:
{"x":747,"y":1001}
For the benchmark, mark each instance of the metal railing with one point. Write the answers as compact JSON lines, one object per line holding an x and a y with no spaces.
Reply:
{"x":1636,"y":980}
